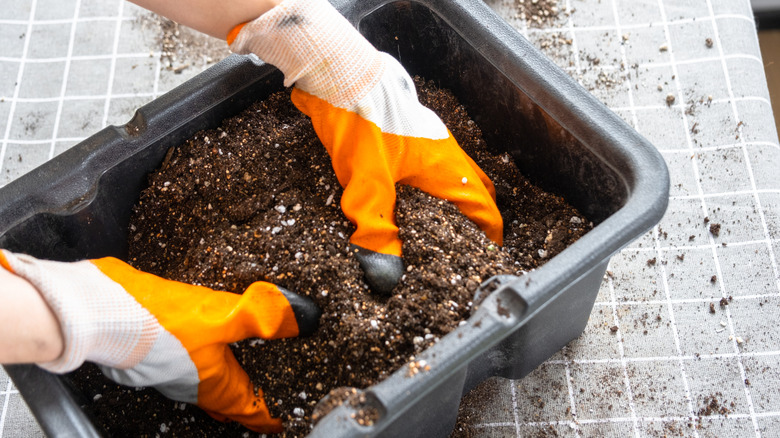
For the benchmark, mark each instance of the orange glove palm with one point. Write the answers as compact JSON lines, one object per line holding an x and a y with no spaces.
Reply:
{"x":365,"y":110}
{"x":144,"y":330}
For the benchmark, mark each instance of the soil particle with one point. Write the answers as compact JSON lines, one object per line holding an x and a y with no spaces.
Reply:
{"x":538,"y":13}
{"x":335,"y":398}
{"x":365,"y":414}
{"x":257,"y":200}
{"x":715,"y":229}
{"x":553,"y":41}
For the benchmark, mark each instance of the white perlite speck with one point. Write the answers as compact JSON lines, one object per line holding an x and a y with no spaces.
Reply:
{"x":464,"y":180}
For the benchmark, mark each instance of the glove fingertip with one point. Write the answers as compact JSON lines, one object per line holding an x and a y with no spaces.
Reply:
{"x":307,"y":313}
{"x":382,"y":271}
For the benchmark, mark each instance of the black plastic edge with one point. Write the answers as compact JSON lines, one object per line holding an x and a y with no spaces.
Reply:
{"x":51,"y":402}
{"x":767,"y":19}
{"x":77,"y":171}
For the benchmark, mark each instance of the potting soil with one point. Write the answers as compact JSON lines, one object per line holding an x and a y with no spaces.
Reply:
{"x":257,"y":200}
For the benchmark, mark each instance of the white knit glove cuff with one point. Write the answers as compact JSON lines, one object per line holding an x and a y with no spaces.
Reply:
{"x":316,"y":48}
{"x":100,"y":321}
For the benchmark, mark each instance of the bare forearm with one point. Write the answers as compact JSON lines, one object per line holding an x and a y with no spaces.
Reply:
{"x":212,"y":17}
{"x":30,"y":332}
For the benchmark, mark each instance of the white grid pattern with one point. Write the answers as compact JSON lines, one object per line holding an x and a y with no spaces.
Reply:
{"x":5,"y":395}
{"x":62,"y":99}
{"x":687,"y":353}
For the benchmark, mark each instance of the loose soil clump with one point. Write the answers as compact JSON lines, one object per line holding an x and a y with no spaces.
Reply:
{"x":539,"y":13}
{"x":713,"y":406}
{"x":257,"y":200}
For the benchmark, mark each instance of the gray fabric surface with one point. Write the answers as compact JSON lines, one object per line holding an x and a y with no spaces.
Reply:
{"x":69,"y":68}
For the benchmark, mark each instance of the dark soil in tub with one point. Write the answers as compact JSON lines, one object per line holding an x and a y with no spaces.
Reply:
{"x":257,"y":199}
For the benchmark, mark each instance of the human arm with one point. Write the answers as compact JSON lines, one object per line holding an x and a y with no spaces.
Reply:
{"x":212,"y":17}
{"x":31,"y":332}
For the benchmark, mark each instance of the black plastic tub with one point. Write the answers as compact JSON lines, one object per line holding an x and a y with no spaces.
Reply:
{"x":78,"y":205}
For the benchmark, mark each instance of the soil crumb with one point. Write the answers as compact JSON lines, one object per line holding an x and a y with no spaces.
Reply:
{"x":538,"y":13}
{"x":257,"y":199}
{"x":715,"y":229}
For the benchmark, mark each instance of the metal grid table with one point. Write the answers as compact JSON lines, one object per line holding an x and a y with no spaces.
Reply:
{"x":659,"y":346}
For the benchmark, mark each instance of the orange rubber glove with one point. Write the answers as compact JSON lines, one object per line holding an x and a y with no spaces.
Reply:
{"x":365,"y":110}
{"x":143,"y":330}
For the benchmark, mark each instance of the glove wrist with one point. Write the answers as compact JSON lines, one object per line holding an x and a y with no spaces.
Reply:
{"x":316,"y":48}
{"x":100,"y":322}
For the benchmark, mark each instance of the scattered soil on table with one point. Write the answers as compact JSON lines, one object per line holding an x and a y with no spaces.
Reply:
{"x":257,"y":199}
{"x":182,"y":48}
{"x":470,"y":412}
{"x":604,"y":78}
{"x":714,"y":405}
{"x":538,"y":13}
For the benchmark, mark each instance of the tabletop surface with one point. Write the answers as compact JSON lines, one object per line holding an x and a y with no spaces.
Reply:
{"x":660,"y":354}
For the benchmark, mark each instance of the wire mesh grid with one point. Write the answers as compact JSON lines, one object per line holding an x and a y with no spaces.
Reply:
{"x":682,"y":339}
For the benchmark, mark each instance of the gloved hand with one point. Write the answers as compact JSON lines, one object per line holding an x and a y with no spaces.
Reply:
{"x":143,"y":330}
{"x":365,"y":110}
